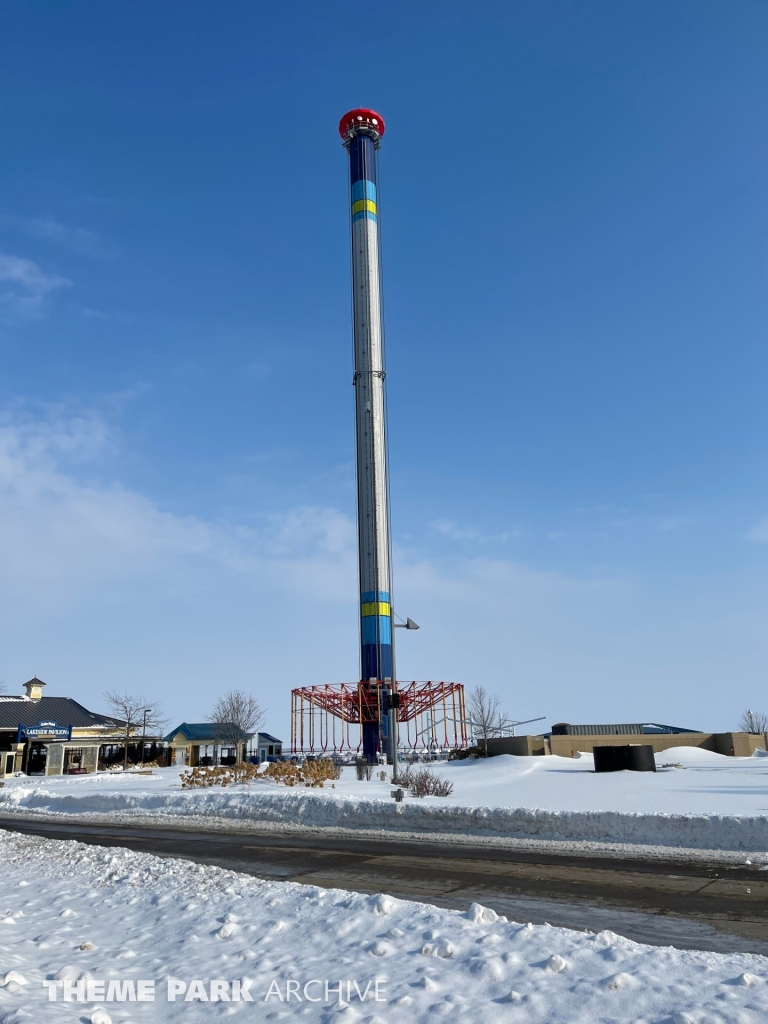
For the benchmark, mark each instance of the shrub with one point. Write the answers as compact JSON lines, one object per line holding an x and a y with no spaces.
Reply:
{"x":364,"y":770}
{"x":404,"y":776}
{"x":440,"y":786}
{"x":422,"y":782}
{"x":312,"y":773}
{"x":218,"y":775}
{"x":461,"y":753}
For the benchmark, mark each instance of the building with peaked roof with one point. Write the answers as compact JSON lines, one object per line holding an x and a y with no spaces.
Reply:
{"x":52,"y":735}
{"x":268,"y":747}
{"x":207,"y":743}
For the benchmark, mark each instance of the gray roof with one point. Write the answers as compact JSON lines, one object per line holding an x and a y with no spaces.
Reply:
{"x":16,"y":711}
{"x":627,"y":729}
{"x":269,"y":739}
{"x":207,"y":732}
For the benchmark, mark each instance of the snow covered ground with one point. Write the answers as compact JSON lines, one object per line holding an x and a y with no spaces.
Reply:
{"x":710,"y":802}
{"x":104,"y":923}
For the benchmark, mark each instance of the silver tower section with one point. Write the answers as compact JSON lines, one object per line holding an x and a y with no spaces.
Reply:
{"x":372,"y":496}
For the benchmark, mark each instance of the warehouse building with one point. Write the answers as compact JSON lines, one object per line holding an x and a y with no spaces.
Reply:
{"x":566,"y":740}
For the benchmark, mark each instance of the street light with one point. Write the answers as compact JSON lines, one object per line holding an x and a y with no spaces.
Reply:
{"x":394,"y":698}
{"x":144,"y":734}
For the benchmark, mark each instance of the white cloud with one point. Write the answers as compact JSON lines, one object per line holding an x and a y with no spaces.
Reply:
{"x":667,"y":523}
{"x":759,"y":533}
{"x":102,"y":586}
{"x":24,"y":287}
{"x":63,"y":535}
{"x":66,"y":537}
{"x":77,"y":239}
{"x":453,"y":531}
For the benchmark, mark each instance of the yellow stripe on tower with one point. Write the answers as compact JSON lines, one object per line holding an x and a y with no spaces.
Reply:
{"x":361,"y":205}
{"x":376,"y":608}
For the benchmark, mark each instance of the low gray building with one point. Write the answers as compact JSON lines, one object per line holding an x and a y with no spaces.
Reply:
{"x":566,"y":740}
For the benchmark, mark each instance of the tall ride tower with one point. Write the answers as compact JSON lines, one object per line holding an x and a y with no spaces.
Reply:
{"x":361,"y":131}
{"x":431,"y":715}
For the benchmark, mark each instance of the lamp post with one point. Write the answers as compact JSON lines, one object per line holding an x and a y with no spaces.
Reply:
{"x":144,"y":733}
{"x":394,"y":700}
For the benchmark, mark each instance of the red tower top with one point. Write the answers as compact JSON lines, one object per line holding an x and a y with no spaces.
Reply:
{"x":364,"y":118}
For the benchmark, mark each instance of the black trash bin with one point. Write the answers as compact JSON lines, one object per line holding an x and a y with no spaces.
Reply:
{"x":631,"y":757}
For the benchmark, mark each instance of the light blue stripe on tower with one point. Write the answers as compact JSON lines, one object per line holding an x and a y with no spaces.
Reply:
{"x":363,"y":189}
{"x":377,"y":623}
{"x":363,"y":213}
{"x":370,"y":595}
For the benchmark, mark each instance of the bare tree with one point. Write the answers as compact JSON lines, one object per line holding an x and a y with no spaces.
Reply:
{"x":483,"y":709}
{"x":236,"y":714}
{"x":754,"y":721}
{"x":129,"y":712}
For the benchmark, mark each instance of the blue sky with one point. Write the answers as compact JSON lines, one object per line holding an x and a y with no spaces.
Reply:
{"x":573,"y":216}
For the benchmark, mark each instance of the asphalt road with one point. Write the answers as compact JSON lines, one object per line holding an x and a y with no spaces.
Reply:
{"x":691,"y":906}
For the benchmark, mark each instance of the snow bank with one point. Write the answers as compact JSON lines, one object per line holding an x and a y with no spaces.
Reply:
{"x":713,"y":802}
{"x":73,"y":913}
{"x":696,"y":756}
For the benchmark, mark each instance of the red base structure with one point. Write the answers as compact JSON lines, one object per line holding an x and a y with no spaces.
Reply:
{"x":328,"y":719}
